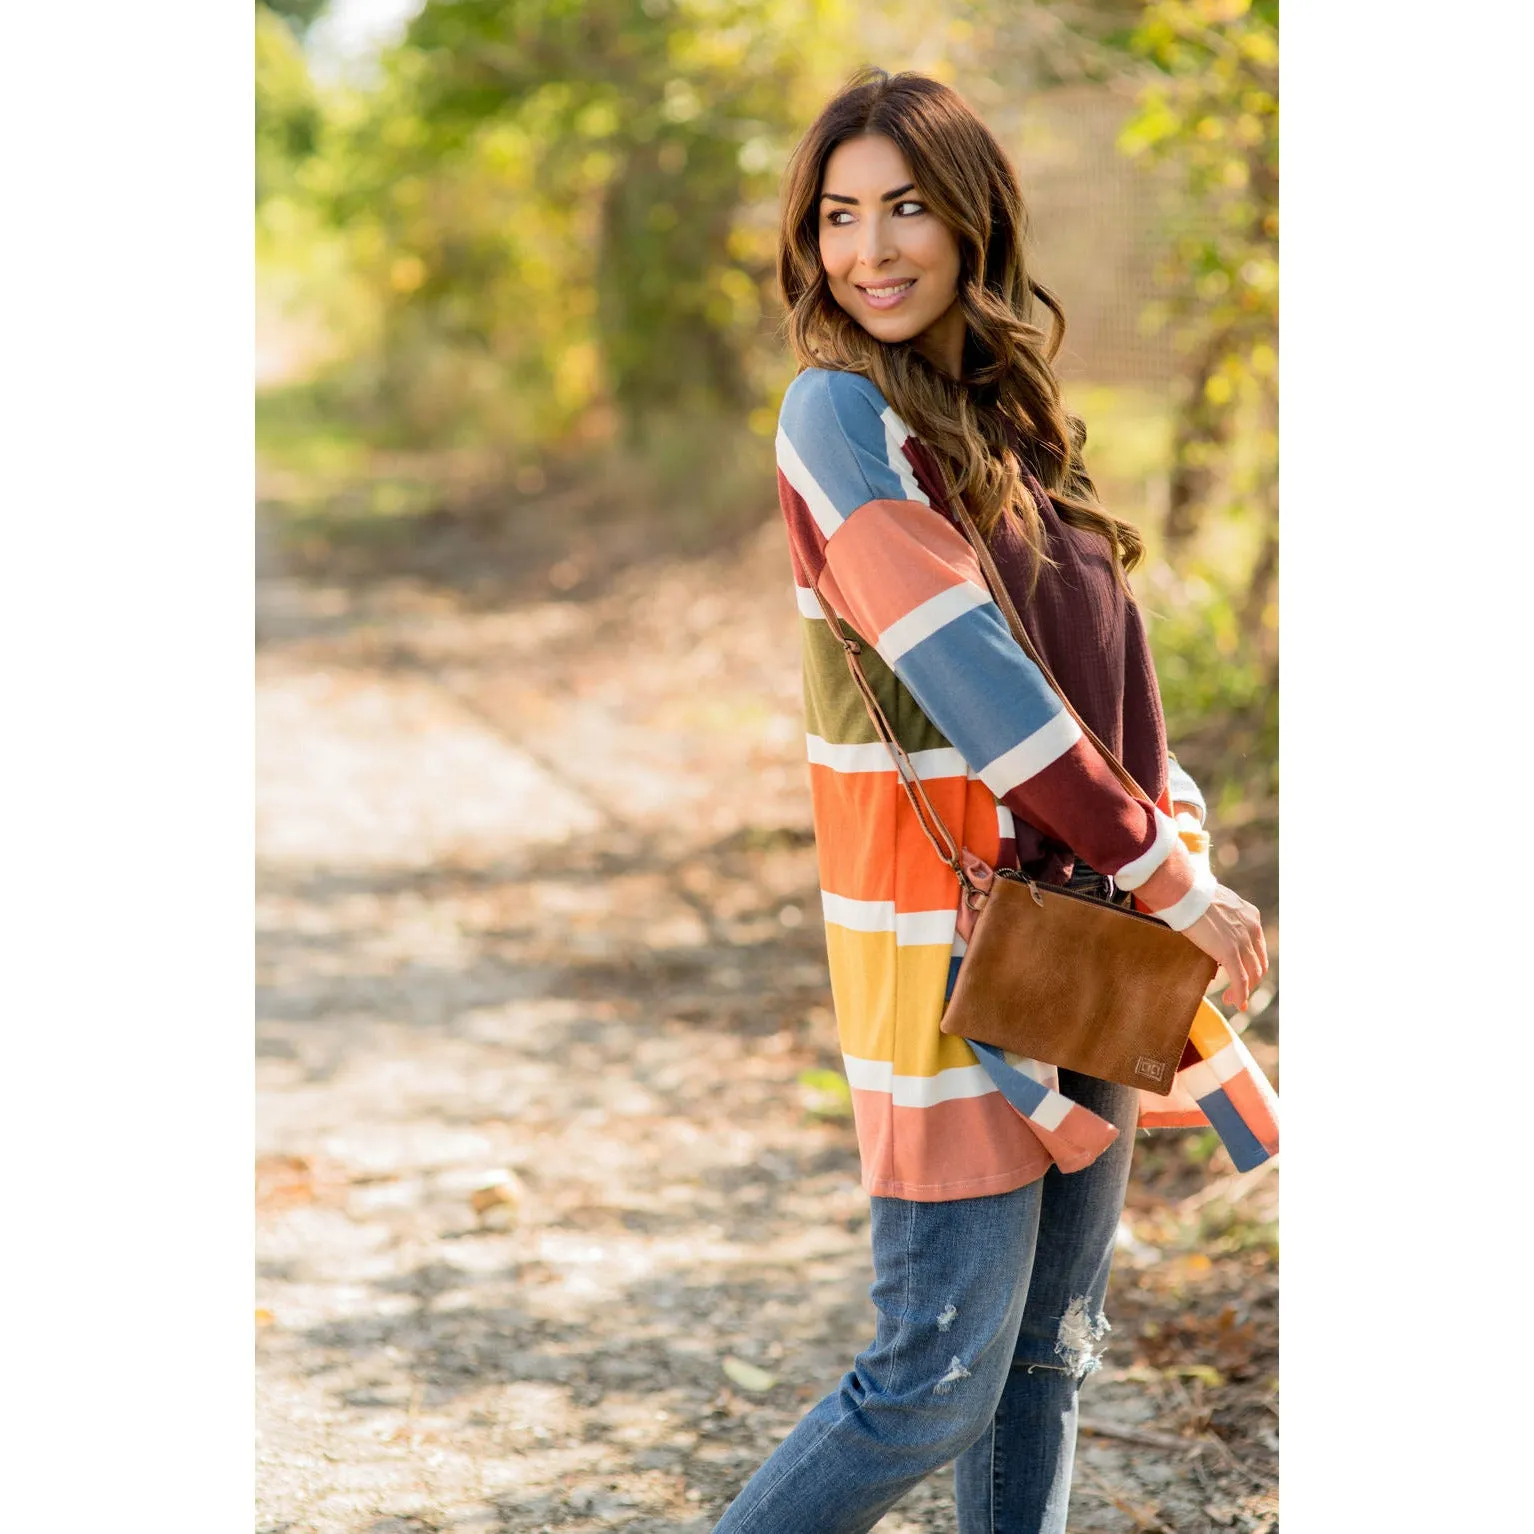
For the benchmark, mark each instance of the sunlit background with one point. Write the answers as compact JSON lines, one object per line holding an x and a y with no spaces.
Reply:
{"x":555,"y":1163}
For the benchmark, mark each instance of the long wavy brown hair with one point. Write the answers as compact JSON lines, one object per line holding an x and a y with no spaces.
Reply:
{"x":1004,"y":412}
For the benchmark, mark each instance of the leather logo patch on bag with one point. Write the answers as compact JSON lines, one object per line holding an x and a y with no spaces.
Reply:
{"x":1145,"y":1066}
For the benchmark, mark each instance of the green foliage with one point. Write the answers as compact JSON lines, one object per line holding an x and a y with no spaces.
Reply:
{"x":287,"y":108}
{"x":299,"y":14}
{"x":1217,"y":687}
{"x":1212,"y":114}
{"x":826,"y":1094}
{"x":1216,"y":683}
{"x":559,"y":216}
{"x":1209,"y":117}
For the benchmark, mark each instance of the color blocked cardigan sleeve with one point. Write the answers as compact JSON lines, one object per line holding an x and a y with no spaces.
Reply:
{"x":1182,"y":788}
{"x":864,"y":533}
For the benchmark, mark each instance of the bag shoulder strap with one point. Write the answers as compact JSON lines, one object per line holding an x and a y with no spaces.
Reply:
{"x":927,"y":817}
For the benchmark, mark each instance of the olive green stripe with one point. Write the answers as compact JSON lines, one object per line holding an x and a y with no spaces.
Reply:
{"x":833,"y":706}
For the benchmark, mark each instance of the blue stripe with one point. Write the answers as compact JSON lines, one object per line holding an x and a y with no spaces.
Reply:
{"x":1245,"y":1148}
{"x":975,"y":684}
{"x":835,"y":422}
{"x":1023,"y":1092}
{"x":953,"y":975}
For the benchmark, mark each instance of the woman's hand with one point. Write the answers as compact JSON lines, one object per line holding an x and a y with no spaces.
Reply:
{"x":1230,"y":932}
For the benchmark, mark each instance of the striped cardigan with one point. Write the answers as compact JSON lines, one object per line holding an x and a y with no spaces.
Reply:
{"x":938,"y":1117}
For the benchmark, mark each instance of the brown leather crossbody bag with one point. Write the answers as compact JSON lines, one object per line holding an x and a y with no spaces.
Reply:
{"x":1052,"y":974}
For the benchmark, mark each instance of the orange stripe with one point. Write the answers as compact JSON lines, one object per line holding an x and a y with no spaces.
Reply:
{"x":1249,"y":1101}
{"x":1172,"y":1118}
{"x":982,"y":835}
{"x":871,"y":845}
{"x":1078,"y":1140}
{"x":958,"y":1149}
{"x":889,"y":557}
{"x":854,"y":832}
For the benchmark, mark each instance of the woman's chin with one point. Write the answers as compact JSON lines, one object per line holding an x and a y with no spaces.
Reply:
{"x":891,"y":328}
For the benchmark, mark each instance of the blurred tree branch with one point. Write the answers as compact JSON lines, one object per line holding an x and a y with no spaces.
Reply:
{"x":1208,"y":116}
{"x":299,"y":14}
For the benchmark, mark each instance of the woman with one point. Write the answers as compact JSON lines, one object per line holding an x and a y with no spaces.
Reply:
{"x":996,"y":1183}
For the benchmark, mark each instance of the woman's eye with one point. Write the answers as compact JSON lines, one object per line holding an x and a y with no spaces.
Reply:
{"x":907,"y":208}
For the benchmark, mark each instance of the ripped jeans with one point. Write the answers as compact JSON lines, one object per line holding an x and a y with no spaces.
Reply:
{"x":989,"y":1314}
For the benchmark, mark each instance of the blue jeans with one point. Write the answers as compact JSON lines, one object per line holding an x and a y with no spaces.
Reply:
{"x":989,"y":1314}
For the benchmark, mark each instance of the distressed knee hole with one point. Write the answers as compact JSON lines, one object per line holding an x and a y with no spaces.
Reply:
{"x":956,"y":1372}
{"x":949,"y":1315}
{"x":1079,"y":1336}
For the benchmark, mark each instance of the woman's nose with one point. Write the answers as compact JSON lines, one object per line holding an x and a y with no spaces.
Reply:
{"x":876,"y":245}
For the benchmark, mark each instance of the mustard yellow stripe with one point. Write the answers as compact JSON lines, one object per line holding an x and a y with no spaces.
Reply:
{"x":889,"y":999}
{"x":921,"y":1046}
{"x":863,"y":989}
{"x":1210,"y":1033}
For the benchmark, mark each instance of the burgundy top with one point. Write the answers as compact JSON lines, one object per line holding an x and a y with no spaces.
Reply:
{"x":1092,"y":637}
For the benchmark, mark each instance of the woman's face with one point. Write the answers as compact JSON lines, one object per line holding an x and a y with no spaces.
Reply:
{"x":892,"y":265}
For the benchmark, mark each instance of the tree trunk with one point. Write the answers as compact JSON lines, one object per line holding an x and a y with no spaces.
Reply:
{"x":1201,"y":434}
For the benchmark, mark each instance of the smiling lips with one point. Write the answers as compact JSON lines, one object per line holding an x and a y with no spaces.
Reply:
{"x":886,"y":295}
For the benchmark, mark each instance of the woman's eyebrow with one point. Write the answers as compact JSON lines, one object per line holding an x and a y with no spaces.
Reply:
{"x":899,"y":191}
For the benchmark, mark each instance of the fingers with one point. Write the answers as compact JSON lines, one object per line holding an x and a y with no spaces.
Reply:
{"x":1238,"y":992}
{"x":1239,"y":987}
{"x":1257,"y":959}
{"x":1230,"y":932}
{"x":1249,"y":970}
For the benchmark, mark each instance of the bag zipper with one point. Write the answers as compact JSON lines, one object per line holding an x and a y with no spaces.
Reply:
{"x":1018,"y":877}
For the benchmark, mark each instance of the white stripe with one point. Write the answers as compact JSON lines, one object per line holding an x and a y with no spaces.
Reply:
{"x":1004,"y":822}
{"x":1181,"y":788}
{"x":945,"y":1087}
{"x":867,"y":756}
{"x":858,"y":915}
{"x":827,"y":517}
{"x":1135,"y":872}
{"x":1181,"y":916}
{"x":1226,"y":1063}
{"x":917,"y":1091}
{"x":1050,"y":1112}
{"x":873,"y":756}
{"x":912,"y":929}
{"x":1037,"y":1070}
{"x":868,"y":1075}
{"x":924,"y":620}
{"x":1198,"y":1079}
{"x":938,"y":762}
{"x":896,"y":432}
{"x":960,"y":947}
{"x":1178,"y":1100}
{"x":809,"y":606}
{"x":1047,"y":744}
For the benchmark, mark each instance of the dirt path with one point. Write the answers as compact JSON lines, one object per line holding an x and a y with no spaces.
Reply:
{"x":541,"y":976}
